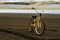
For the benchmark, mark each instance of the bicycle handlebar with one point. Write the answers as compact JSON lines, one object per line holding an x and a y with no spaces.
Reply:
{"x":36,"y":11}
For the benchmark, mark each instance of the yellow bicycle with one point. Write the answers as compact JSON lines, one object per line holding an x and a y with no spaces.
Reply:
{"x":37,"y":24}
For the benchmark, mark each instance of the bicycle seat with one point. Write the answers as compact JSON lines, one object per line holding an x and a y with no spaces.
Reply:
{"x":34,"y":17}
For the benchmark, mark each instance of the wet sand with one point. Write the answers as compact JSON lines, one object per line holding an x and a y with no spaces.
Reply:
{"x":15,"y":27}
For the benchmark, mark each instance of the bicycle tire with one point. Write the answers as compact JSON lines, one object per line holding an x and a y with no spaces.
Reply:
{"x":40,"y":30}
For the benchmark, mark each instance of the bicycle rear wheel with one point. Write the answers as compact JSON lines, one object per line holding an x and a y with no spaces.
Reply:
{"x":39,"y":30}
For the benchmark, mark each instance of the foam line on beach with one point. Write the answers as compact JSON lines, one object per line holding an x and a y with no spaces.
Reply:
{"x":30,"y":11}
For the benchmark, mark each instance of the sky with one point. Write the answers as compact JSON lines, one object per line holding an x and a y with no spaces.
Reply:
{"x":27,"y":0}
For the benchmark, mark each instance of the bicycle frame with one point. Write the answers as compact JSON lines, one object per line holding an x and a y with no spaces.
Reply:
{"x":36,"y":20}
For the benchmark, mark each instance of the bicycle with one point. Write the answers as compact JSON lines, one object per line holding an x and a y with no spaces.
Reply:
{"x":36,"y":24}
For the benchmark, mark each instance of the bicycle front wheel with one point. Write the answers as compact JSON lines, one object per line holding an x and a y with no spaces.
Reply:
{"x":39,"y":29}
